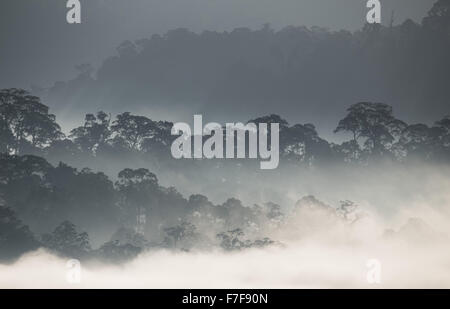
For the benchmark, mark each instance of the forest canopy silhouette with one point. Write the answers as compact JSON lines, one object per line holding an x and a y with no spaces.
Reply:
{"x":108,"y":188}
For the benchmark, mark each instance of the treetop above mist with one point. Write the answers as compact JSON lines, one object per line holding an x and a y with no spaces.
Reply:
{"x":26,"y":127}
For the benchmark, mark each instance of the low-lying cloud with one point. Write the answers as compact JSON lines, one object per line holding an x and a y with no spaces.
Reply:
{"x":413,"y":255}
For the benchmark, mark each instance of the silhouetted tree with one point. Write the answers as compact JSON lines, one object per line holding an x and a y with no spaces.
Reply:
{"x":138,"y":191}
{"x":231,"y":240}
{"x":66,"y":240}
{"x":373,"y":122}
{"x":418,"y":141}
{"x":129,"y":236}
{"x":15,"y":237}
{"x":25,"y":123}
{"x":132,"y":130}
{"x":159,"y":140}
{"x":349,"y":151}
{"x":185,"y":231}
{"x":301,"y":143}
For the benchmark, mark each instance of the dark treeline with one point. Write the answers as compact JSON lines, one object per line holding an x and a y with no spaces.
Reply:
{"x":62,"y":209}
{"x":303,"y":71}
{"x":26,"y":127}
{"x":135,"y":212}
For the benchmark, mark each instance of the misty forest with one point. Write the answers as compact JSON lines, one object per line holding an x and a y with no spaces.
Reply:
{"x":109,"y":189}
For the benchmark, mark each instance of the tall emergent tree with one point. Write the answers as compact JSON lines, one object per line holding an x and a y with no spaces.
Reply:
{"x":94,"y":133}
{"x":25,"y":123}
{"x":375,"y":124}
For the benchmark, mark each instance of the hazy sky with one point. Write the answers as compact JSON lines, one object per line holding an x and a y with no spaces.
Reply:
{"x":38,"y":47}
